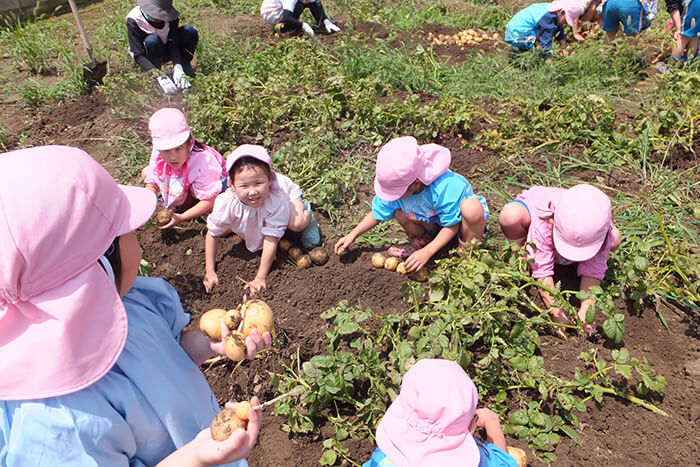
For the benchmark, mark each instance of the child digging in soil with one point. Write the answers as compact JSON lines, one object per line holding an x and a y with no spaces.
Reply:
{"x":186,"y":173}
{"x":284,"y":16}
{"x":414,"y":185}
{"x":76,"y":323}
{"x":258,"y":206}
{"x":566,"y":226}
{"x":432,"y":422}
{"x":542,"y":23}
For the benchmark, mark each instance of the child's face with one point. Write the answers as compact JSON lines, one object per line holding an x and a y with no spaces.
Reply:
{"x":562,"y":18}
{"x":177,"y":156}
{"x":252,"y":186}
{"x":413,"y":188}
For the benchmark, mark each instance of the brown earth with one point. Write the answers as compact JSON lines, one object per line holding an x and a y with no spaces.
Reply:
{"x":613,"y":433}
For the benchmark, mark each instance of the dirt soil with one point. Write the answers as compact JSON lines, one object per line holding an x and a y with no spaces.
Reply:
{"x":613,"y":433}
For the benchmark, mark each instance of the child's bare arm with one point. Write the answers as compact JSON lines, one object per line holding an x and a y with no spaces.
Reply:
{"x":488,"y":420}
{"x":211,"y":248}
{"x":366,"y":224}
{"x":586,"y":284}
{"x":268,"y":257}
{"x":421,"y":257}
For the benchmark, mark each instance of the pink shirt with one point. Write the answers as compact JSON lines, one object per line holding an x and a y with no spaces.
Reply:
{"x":203,"y":173}
{"x":252,"y":224}
{"x":541,"y":201}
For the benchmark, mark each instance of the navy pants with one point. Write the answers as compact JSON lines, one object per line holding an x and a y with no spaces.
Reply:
{"x":159,"y":53}
{"x":291,"y":18}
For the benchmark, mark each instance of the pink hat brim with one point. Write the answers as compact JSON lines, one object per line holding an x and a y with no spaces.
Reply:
{"x":163,"y":144}
{"x":248,"y":150}
{"x":142,"y":205}
{"x":386,"y":194}
{"x":574,"y":253}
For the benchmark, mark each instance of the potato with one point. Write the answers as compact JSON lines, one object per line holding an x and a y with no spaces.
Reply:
{"x":391,"y":263}
{"x":318,"y":256}
{"x":341,"y":251}
{"x":401,"y":268}
{"x":420,"y":275}
{"x":378,"y":260}
{"x":210,"y":323}
{"x":257,"y":315}
{"x":519,"y":455}
{"x":232,"y":319}
{"x":225,"y":423}
{"x":164,"y":216}
{"x":242,"y":410}
{"x":304,"y":262}
{"x":285,"y":244}
{"x":235,"y":347}
{"x":295,"y":252}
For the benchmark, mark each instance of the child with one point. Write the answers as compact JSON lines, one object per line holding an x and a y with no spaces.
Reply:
{"x":76,"y":323}
{"x":573,"y":225}
{"x":589,"y":14}
{"x":155,"y":38}
{"x":432,"y":421}
{"x":414,"y":185}
{"x":541,"y":23}
{"x":285,"y":14}
{"x":635,"y":16}
{"x":182,"y":170}
{"x":258,"y":206}
{"x":689,"y":31}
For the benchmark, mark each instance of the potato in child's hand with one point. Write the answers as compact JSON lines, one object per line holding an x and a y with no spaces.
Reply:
{"x":378,"y":260}
{"x":234,"y":346}
{"x":391,"y":264}
{"x":257,"y":315}
{"x":225,"y":423}
{"x":295,"y":252}
{"x":242,"y":410}
{"x":232,"y":319}
{"x":519,"y":455}
{"x":401,"y":268}
{"x":303,"y":262}
{"x":285,"y":244}
{"x":318,"y":256}
{"x":164,"y":217}
{"x":210,"y":323}
{"x":421,"y":275}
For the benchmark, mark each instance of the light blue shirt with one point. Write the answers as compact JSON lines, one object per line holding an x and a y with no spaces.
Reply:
{"x":152,"y":402}
{"x":438,"y":203}
{"x":490,"y":456}
{"x":521,"y":27}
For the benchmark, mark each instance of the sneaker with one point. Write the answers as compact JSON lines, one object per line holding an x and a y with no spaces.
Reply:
{"x":404,"y":251}
{"x":311,"y":236}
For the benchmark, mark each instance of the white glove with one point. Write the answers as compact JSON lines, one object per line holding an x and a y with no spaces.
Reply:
{"x":166,"y":84}
{"x":307,"y":29}
{"x":330,"y":26}
{"x":180,"y":78}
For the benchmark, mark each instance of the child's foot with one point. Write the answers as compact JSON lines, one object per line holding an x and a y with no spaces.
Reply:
{"x":404,"y":251}
{"x":311,"y":235}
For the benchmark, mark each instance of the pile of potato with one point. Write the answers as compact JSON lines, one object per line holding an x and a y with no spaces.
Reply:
{"x":316,"y":257}
{"x":462,"y":38}
{"x":395,"y":264}
{"x":253,"y":314}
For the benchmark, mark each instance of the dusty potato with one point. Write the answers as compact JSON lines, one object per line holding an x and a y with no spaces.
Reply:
{"x":295,"y":252}
{"x":210,"y":323}
{"x":391,"y":263}
{"x":232,"y":319}
{"x":234,"y":346}
{"x":242,"y":410}
{"x":285,"y":244}
{"x":318,"y":256}
{"x":164,"y":216}
{"x":304,"y":262}
{"x":257,"y":315}
{"x":378,"y":260}
{"x":401,"y":268}
{"x":225,"y":423}
{"x":420,"y":275}
{"x":519,"y":455}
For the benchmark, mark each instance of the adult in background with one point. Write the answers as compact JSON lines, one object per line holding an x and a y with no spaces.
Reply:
{"x":155,"y":38}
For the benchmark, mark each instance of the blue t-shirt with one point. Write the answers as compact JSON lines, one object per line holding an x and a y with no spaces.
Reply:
{"x":490,"y":456}
{"x":438,"y":203}
{"x":153,"y":401}
{"x":521,"y":28}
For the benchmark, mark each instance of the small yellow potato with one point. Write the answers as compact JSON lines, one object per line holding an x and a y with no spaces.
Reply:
{"x":242,"y":410}
{"x":318,"y":256}
{"x":304,"y":262}
{"x":285,"y":244}
{"x":164,"y":216}
{"x":378,"y":260}
{"x":210,"y":323}
{"x":391,"y":263}
{"x":519,"y":455}
{"x":257,"y":315}
{"x":225,"y":423}
{"x":235,"y":347}
{"x":295,"y":252}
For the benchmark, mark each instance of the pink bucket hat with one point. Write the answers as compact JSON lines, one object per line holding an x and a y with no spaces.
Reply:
{"x":169,"y":128}
{"x":250,"y":150}
{"x":402,"y":161}
{"x":572,"y":9}
{"x":62,"y":323}
{"x":429,"y":422}
{"x":582,"y":220}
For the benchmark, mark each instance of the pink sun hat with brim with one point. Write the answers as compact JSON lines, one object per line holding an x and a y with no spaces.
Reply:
{"x":169,"y":128}
{"x":62,"y":322}
{"x":248,"y":150}
{"x":582,"y":221}
{"x":572,"y":9}
{"x":402,"y":161}
{"x":428,"y":424}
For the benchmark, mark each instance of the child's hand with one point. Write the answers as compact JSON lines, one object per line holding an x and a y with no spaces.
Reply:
{"x":255,"y":285}
{"x":237,"y":446}
{"x":175,"y":219}
{"x":210,"y":280}
{"x":255,"y":342}
{"x":579,"y":37}
{"x":417,"y":260}
{"x":485,"y":417}
{"x":342,"y":245}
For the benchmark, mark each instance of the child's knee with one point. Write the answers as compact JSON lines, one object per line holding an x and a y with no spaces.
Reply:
{"x":512,"y":215}
{"x":472,"y":211}
{"x":618,"y":238}
{"x":299,"y":217}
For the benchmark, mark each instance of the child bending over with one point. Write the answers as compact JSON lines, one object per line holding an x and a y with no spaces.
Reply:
{"x":542,"y":23}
